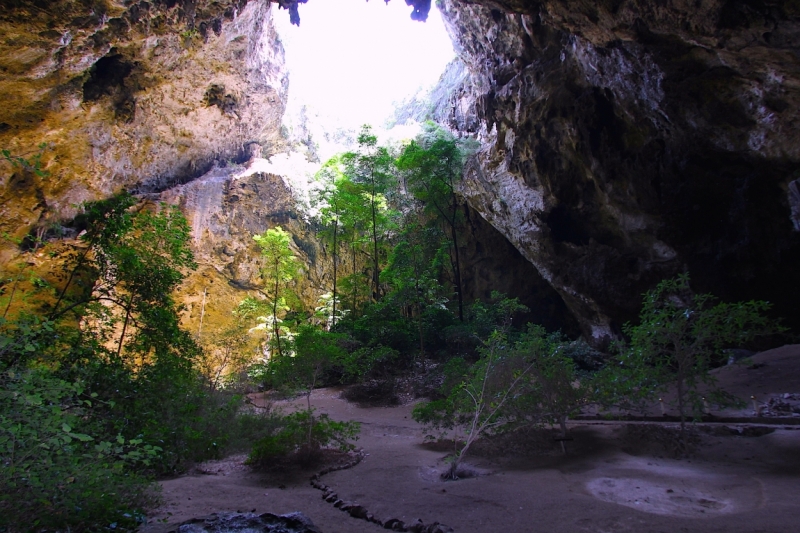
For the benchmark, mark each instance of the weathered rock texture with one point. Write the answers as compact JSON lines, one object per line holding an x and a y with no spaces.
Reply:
{"x":250,"y":523}
{"x":225,"y":208}
{"x":137,"y":94}
{"x":629,"y":140}
{"x":623,"y":141}
{"x":489,"y":262}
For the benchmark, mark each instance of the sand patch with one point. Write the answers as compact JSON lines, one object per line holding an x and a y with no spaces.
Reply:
{"x":689,"y":496}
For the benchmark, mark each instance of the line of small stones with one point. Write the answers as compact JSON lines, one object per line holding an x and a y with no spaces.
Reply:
{"x":360,"y":512}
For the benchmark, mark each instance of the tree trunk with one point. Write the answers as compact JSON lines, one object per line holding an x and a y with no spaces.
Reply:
{"x":275,"y":328}
{"x":681,"y":408}
{"x":335,"y":258}
{"x":11,"y":297}
{"x":310,"y":419}
{"x":63,"y":292}
{"x":419,"y":308}
{"x":125,"y":326}
{"x":375,"y":271}
{"x":459,"y":288}
{"x":355,"y":286}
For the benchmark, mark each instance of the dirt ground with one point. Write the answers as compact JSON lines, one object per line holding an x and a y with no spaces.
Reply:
{"x":616,"y":477}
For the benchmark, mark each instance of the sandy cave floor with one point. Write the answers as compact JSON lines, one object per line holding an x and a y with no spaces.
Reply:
{"x":613,"y":479}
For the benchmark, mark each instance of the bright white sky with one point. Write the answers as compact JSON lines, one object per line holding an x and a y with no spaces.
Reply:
{"x":350,"y":59}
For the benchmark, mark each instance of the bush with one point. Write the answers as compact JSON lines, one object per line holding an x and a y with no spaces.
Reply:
{"x":55,"y":474}
{"x":250,"y":426}
{"x":301,"y":437}
{"x":368,"y":362}
{"x":164,"y":404}
{"x":382,"y":323}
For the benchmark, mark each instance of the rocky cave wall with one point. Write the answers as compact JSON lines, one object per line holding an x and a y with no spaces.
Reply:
{"x":626,"y":141}
{"x":165,"y":98}
{"x":622,"y":141}
{"x":136,"y":94}
{"x":489,"y":262}
{"x":225,"y":208}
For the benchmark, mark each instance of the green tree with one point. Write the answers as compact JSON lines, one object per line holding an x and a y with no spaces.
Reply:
{"x":554,"y":390}
{"x":679,"y":336}
{"x":481,"y":395}
{"x":345,"y":215}
{"x":103,"y":223}
{"x":432,"y":166}
{"x":478,"y":404}
{"x":225,"y":353}
{"x":130,"y":265}
{"x":413,"y":275}
{"x":371,"y":166}
{"x":279,"y":269}
{"x":330,"y":213}
{"x":315,"y":352}
{"x":109,"y":323}
{"x":140,"y":271}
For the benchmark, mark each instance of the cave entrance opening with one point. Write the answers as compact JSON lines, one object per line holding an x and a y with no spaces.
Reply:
{"x":351,"y":61}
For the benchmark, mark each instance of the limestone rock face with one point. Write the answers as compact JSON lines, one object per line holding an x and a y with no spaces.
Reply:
{"x":626,"y":141}
{"x":622,"y":141}
{"x":136,"y":94}
{"x":225,"y":208}
{"x":490,"y":263}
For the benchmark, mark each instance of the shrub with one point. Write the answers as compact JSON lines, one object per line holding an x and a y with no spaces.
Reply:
{"x":530,"y":381}
{"x":250,"y":426}
{"x":301,"y":437}
{"x":368,"y":362}
{"x":679,"y":336}
{"x":55,"y":474}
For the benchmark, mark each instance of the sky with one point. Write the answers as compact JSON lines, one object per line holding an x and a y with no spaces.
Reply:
{"x":351,"y":59}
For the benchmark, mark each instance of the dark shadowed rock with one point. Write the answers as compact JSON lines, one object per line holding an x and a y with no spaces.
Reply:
{"x":625,"y":142}
{"x":250,"y":523}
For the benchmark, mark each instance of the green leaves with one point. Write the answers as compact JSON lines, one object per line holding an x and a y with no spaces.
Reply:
{"x":304,"y":433}
{"x":679,"y":339}
{"x":33,"y":165}
{"x":431,"y":167}
{"x":280,"y":262}
{"x":280,"y":267}
{"x":50,"y":458}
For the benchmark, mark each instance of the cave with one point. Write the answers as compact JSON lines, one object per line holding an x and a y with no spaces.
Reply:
{"x":591,"y":324}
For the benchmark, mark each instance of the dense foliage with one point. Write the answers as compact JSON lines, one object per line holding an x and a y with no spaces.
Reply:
{"x":301,"y":436}
{"x":101,"y":389}
{"x":679,"y":339}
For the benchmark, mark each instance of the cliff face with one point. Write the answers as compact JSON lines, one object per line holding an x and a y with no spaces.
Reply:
{"x":140,"y":95}
{"x":490,"y":263}
{"x":623,"y":141}
{"x":225,"y":208}
{"x":627,"y":141}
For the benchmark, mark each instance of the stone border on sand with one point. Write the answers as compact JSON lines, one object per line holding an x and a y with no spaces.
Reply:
{"x":360,"y":512}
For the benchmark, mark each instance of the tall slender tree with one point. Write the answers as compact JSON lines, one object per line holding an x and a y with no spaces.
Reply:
{"x":412,"y":273}
{"x":371,"y":165}
{"x":432,"y":167}
{"x":279,"y":269}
